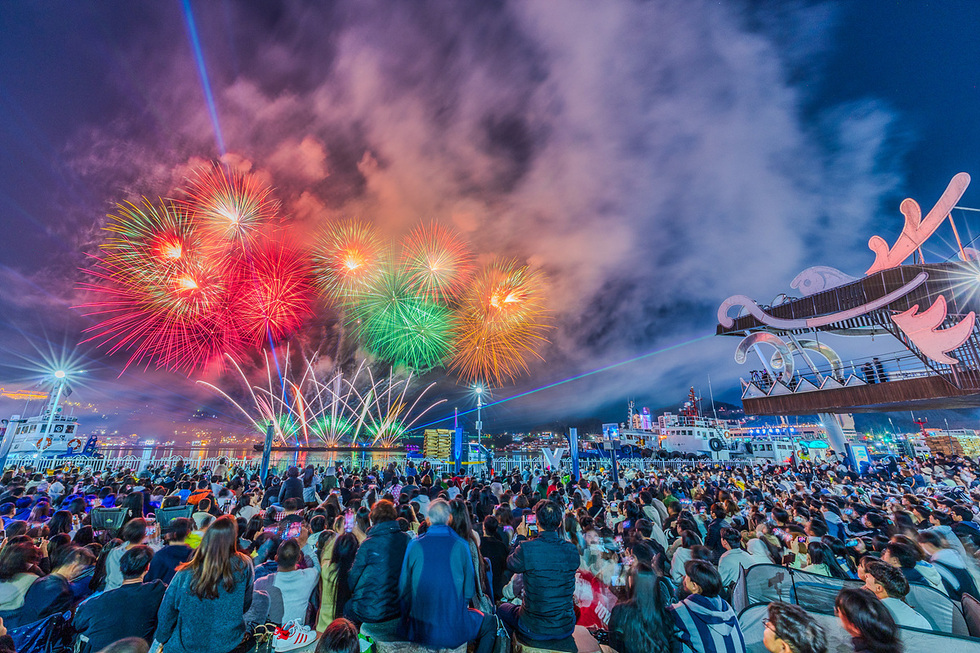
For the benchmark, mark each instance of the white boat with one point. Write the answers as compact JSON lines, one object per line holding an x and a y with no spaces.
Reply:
{"x":690,"y":433}
{"x":50,"y":434}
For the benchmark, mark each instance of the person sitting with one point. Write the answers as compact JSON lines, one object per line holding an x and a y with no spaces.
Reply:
{"x":336,"y":562}
{"x":735,"y":558}
{"x":52,"y":594}
{"x":906,"y":555}
{"x":548,"y":564}
{"x":177,"y":552}
{"x":642,"y":624}
{"x":890,"y":586}
{"x":437,"y":582}
{"x":128,"y":611}
{"x":292,"y":488}
{"x":790,"y":629}
{"x":950,"y":565}
{"x":203,"y":513}
{"x":867,"y":621}
{"x":132,"y":534}
{"x":204,"y":605}
{"x":296,"y":585}
{"x":339,"y":637}
{"x":704,"y":621}
{"x":375,"y":575}
{"x":18,"y":571}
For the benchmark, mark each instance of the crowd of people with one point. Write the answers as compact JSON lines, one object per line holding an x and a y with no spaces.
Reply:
{"x":329,"y":559}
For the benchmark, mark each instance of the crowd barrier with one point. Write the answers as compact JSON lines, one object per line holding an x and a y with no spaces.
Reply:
{"x":501,"y":464}
{"x":751,"y":619}
{"x":812,"y":592}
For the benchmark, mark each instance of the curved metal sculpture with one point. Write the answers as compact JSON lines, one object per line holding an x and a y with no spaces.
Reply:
{"x":836,"y":364}
{"x":776,"y":342}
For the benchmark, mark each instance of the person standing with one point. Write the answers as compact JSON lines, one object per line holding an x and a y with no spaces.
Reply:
{"x":203,"y":607}
{"x":548,"y":564}
{"x":437,"y":582}
{"x":129,"y":611}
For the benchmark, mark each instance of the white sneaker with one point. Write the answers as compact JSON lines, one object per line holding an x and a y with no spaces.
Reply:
{"x":294,"y":635}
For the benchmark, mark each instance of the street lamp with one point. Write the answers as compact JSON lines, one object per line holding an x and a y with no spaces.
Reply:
{"x":479,"y":407}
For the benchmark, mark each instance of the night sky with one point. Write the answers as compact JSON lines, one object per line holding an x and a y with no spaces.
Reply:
{"x":652,"y":158}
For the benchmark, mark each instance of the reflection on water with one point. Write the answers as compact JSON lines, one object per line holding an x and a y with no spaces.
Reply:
{"x":278,"y":459}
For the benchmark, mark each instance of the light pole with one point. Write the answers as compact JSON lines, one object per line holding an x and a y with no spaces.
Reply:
{"x":479,"y":408}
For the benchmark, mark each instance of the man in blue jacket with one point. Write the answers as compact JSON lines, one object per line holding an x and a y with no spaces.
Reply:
{"x":437,"y":582}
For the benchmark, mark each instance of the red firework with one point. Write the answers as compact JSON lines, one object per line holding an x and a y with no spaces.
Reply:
{"x":275,"y":292}
{"x":177,"y":287}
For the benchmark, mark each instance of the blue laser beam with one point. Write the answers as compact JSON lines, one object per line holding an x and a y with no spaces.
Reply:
{"x":203,"y":72}
{"x":571,"y":379}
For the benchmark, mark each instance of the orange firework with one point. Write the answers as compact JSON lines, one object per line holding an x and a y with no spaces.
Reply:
{"x":501,"y":323}
{"x":347,"y":256}
{"x":437,"y":261}
{"x":230,"y":208}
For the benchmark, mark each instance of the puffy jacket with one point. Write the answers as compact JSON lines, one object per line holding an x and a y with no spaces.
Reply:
{"x":375,"y":574}
{"x":292,"y":488}
{"x":548,"y":564}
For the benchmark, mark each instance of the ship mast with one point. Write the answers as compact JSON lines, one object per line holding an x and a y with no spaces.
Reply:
{"x":60,"y":382}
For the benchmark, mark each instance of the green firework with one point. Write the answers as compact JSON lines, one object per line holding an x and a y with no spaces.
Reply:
{"x":399,"y":324}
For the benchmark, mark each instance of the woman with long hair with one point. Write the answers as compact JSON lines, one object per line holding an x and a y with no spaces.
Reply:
{"x":336,"y":563}
{"x":867,"y":621}
{"x":688,"y":540}
{"x":18,"y":571}
{"x":60,"y":523}
{"x":460,"y":522}
{"x":641,"y":624}
{"x":203,"y":607}
{"x":823,"y":562}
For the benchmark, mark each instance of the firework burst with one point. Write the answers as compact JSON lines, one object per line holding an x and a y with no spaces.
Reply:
{"x":437,"y":261}
{"x":157,"y":295}
{"x":181,"y":283}
{"x":346,"y":257}
{"x":301,"y":408}
{"x":400,"y":325}
{"x":276,"y":291}
{"x":231,"y":208}
{"x":501,"y":324}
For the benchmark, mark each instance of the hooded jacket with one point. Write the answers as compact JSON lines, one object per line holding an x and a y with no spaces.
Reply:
{"x":707,"y":625}
{"x":375,"y":574}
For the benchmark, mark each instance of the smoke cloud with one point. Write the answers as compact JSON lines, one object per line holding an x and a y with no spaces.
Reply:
{"x":651,"y":157}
